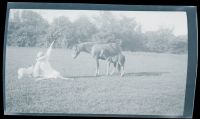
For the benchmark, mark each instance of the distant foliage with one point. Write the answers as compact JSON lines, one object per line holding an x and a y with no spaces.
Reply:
{"x":163,"y":40}
{"x":29,"y":29}
{"x":60,"y":30}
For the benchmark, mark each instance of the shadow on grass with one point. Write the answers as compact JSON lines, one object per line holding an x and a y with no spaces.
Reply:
{"x":145,"y":73}
{"x":86,"y":76}
{"x":126,"y":74}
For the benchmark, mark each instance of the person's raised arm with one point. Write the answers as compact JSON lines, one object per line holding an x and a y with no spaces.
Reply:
{"x":49,"y":49}
{"x":41,"y":58}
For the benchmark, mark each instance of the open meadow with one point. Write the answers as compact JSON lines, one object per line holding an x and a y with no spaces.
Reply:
{"x":154,"y":84}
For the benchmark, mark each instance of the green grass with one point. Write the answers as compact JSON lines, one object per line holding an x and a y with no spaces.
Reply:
{"x":154,"y":84}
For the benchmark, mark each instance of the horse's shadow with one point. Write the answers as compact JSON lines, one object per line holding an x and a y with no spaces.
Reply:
{"x":145,"y":73}
{"x":125,"y":75}
{"x":85,"y":76}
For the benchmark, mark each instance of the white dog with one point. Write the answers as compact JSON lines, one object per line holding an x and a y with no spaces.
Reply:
{"x":25,"y":72}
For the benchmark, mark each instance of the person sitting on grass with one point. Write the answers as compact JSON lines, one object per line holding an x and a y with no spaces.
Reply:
{"x":42,"y":68}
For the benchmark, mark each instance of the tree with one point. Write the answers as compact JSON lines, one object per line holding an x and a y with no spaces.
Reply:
{"x":179,"y":45}
{"x":29,"y":29}
{"x":164,"y":40}
{"x":125,"y":30}
{"x":84,"y":29}
{"x":159,"y":41}
{"x":13,"y":25}
{"x":61,"y":30}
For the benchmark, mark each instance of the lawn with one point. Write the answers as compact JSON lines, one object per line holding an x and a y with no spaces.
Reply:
{"x":154,"y":84}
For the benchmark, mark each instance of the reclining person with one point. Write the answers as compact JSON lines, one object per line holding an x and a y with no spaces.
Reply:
{"x":43,"y":69}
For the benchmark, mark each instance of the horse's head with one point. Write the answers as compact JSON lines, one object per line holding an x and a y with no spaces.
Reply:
{"x":75,"y":51}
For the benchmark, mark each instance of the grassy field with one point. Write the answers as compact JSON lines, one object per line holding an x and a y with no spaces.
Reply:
{"x":154,"y":84}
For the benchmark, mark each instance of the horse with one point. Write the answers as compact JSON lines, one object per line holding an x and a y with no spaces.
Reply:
{"x":97,"y":50}
{"x":118,"y":62}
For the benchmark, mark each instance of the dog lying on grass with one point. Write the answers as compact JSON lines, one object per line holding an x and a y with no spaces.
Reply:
{"x":25,"y":72}
{"x":28,"y":72}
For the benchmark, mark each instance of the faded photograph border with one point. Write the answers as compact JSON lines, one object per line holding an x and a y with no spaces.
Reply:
{"x":192,"y":47}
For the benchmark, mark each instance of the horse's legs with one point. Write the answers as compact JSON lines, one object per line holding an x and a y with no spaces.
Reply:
{"x":113,"y":70}
{"x":108,"y":66}
{"x":97,"y":68}
{"x":122,"y":71}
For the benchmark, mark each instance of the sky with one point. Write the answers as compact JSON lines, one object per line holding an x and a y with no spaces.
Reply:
{"x":149,"y":20}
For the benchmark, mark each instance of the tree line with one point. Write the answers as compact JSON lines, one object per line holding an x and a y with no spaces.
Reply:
{"x":30,"y":29}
